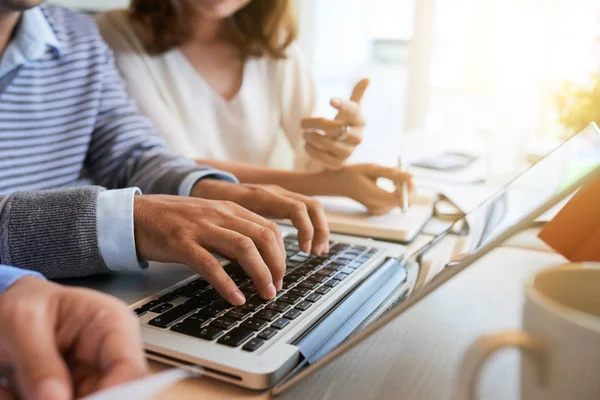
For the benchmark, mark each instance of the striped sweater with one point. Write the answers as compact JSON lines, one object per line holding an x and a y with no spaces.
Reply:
{"x":59,"y":115}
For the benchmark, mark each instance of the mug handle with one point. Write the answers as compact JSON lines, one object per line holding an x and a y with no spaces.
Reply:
{"x":485,"y":346}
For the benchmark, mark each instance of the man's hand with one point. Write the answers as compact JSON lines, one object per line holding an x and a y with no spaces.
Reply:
{"x":331,"y":142}
{"x":60,"y":343}
{"x":185,"y":230}
{"x":272,"y":201}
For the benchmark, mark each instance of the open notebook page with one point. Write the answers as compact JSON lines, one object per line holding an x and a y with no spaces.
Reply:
{"x":350,"y":217}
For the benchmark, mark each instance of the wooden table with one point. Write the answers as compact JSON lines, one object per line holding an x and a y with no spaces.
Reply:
{"x":416,"y":356}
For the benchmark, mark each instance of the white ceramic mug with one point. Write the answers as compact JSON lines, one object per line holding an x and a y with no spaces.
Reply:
{"x":560,"y":340}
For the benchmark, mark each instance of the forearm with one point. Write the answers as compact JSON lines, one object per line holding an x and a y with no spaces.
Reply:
{"x":307,"y":183}
{"x":52,"y":232}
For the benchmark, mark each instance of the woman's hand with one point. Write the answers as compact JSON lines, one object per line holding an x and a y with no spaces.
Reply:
{"x":331,"y":142}
{"x":359,"y":182}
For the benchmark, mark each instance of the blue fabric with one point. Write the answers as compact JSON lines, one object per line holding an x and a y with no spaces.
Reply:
{"x":186,"y":186}
{"x":9,"y":275}
{"x":32,"y":40}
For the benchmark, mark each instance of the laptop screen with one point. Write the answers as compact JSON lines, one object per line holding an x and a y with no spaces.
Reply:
{"x":538,"y":184}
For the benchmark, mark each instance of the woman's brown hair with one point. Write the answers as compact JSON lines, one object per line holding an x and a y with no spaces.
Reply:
{"x":261,"y":27}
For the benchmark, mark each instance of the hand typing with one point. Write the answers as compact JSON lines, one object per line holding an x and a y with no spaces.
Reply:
{"x":185,"y":230}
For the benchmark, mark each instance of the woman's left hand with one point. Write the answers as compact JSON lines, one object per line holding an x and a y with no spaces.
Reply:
{"x":331,"y":142}
{"x":359,"y":182}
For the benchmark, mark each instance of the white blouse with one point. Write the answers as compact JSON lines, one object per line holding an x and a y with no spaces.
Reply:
{"x":195,"y":120}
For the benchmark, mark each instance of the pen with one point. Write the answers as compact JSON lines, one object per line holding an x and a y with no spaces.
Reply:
{"x":403,"y":192}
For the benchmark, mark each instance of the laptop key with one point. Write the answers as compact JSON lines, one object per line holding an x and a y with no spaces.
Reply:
{"x":278,"y":306}
{"x":150,"y":305}
{"x":267,"y":315}
{"x":251,"y":305}
{"x":280,"y":323}
{"x":304,"y":305}
{"x":253,"y":344}
{"x":292,"y":314}
{"x":340,"y":276}
{"x":354,"y":265}
{"x":168,"y":297}
{"x":335,"y":267}
{"x":212,"y":310}
{"x":317,"y":278}
{"x":332,"y":283}
{"x":289,"y":298}
{"x":248,"y":288}
{"x":323,"y":290}
{"x":303,"y":271}
{"x":326,"y":272}
{"x":238,"y":314}
{"x":223,"y":323}
{"x":166,"y":319}
{"x":347,"y":271}
{"x":196,"y":319}
{"x":313,"y":297}
{"x":236,"y":337}
{"x":298,"y":291}
{"x":139,"y":311}
{"x":268,"y":333}
{"x":206,"y":333}
{"x":198,"y":301}
{"x":254,"y":324}
{"x":308,"y":284}
{"x":161,"y":308}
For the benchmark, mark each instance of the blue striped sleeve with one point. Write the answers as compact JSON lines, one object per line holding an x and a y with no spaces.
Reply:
{"x":9,"y":275}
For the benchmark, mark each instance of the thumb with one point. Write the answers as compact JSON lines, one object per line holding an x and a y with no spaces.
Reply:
{"x":359,"y":90}
{"x":40,"y":372}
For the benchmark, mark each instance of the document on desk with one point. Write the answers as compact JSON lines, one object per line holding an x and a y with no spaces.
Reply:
{"x":145,"y":388}
{"x":350,"y":217}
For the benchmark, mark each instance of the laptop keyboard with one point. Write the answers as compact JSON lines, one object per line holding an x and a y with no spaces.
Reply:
{"x":205,"y":315}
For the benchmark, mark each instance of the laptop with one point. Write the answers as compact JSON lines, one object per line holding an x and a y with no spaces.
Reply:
{"x":331,"y":303}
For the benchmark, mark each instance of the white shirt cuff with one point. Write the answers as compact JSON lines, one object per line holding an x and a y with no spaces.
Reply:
{"x":114,"y":221}
{"x":186,"y":186}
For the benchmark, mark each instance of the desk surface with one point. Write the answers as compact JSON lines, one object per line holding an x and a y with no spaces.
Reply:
{"x":416,"y":356}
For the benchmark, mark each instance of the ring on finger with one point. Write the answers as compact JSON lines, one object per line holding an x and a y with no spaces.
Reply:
{"x":344,"y":133}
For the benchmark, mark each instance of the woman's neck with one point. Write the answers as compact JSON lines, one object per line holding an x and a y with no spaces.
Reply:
{"x":8,"y":22}
{"x":208,"y":31}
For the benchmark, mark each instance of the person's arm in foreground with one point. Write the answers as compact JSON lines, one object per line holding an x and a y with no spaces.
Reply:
{"x":59,"y":343}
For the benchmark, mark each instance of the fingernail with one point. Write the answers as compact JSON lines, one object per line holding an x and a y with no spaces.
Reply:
{"x":323,"y":249}
{"x":307,"y":246}
{"x":52,"y":389}
{"x":237,"y":298}
{"x":279,"y":285}
{"x":270,"y":291}
{"x":336,"y":102}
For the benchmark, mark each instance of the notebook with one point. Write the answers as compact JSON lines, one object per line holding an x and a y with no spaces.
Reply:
{"x":352,"y":218}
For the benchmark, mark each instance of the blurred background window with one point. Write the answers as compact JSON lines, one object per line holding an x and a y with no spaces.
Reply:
{"x":481,"y":76}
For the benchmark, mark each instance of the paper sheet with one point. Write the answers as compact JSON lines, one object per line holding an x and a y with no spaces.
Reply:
{"x":145,"y":388}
